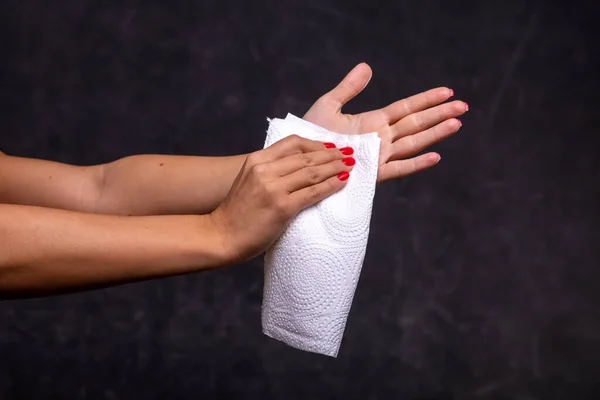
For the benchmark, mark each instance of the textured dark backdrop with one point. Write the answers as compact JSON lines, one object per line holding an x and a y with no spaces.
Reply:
{"x":481,"y":280}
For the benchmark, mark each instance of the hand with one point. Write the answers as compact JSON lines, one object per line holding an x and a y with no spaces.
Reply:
{"x":273,"y":185}
{"x":405,"y":127}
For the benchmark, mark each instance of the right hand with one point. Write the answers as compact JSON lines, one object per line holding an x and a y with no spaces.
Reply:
{"x":273,"y":185}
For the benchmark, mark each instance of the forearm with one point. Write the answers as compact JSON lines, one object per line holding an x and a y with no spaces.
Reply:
{"x":46,"y":251}
{"x":44,"y":183}
{"x":164,"y":184}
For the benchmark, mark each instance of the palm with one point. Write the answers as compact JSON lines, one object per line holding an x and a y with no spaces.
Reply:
{"x":405,"y":127}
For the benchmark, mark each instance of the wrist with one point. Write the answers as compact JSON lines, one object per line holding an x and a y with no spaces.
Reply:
{"x":221,"y":247}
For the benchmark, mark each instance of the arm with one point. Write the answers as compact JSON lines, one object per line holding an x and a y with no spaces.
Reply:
{"x":141,"y":185}
{"x":163,"y":184}
{"x":51,"y":184}
{"x":136,"y":185}
{"x":46,"y":250}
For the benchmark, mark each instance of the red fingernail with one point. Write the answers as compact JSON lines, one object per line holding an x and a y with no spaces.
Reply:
{"x":347,"y":151}
{"x":329,"y":145}
{"x":349,"y":161}
{"x":466,"y":107}
{"x":342,"y":176}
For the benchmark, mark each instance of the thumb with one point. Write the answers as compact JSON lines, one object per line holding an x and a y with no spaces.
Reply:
{"x":351,"y":85}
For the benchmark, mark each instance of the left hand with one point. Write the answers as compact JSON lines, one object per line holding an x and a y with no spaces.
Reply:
{"x":405,"y":127}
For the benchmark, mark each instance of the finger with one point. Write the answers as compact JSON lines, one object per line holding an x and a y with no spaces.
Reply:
{"x":403,"y":168}
{"x":410,"y":145}
{"x":350,"y":86}
{"x":313,"y":194}
{"x":290,"y":145}
{"x":419,"y":102}
{"x":312,"y":175}
{"x":290,"y":164}
{"x":420,"y":121}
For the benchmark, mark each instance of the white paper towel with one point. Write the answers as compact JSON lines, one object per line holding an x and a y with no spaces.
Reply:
{"x":312,"y":270}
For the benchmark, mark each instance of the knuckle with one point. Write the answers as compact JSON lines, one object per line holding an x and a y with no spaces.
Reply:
{"x":408,"y":109}
{"x":271,"y":190}
{"x":259,"y":170}
{"x":417,"y":120}
{"x":294,"y":139}
{"x":252,"y":159}
{"x":399,"y":170}
{"x":312,"y":174}
{"x":414,"y":143}
{"x":349,"y":84}
{"x":314,"y":193}
{"x":435,"y":134}
{"x":332,"y":186}
{"x":281,"y":205}
{"x":305,"y":158}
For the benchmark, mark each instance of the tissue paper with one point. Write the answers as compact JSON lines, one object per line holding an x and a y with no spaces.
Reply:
{"x":312,"y":270}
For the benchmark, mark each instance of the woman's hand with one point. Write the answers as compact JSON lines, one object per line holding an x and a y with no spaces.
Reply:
{"x":405,"y":127}
{"x":273,"y":185}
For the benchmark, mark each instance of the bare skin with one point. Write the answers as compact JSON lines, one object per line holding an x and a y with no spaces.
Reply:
{"x":65,"y":228}
{"x":406,"y":127}
{"x":47,"y":250}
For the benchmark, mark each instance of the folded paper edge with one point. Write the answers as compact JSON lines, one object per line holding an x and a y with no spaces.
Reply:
{"x":274,"y":333}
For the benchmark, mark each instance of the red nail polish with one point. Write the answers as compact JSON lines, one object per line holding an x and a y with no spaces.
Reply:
{"x":466,"y":107}
{"x":349,"y":161}
{"x":329,"y":145}
{"x":347,"y":151}
{"x":342,"y":176}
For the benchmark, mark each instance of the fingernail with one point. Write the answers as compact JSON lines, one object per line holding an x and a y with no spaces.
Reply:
{"x":451,"y":92}
{"x":466,"y":107}
{"x":459,"y":123}
{"x":329,"y":145}
{"x":347,"y":151}
{"x":349,"y":161}
{"x":342,"y":176}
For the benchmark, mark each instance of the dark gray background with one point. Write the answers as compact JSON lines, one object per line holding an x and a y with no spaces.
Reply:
{"x":480,"y":281}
